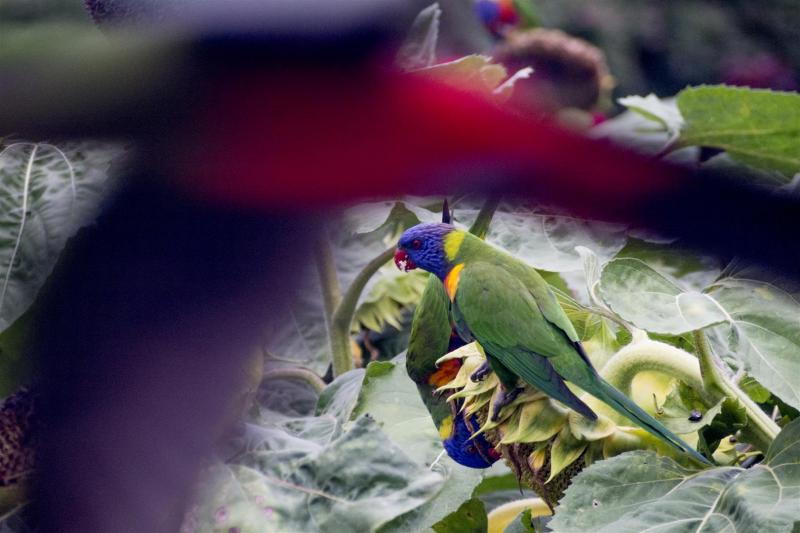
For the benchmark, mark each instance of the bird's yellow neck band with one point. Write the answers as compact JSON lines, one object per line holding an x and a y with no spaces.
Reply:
{"x":452,"y":244}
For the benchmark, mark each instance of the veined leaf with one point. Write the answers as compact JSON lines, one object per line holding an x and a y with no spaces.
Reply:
{"x":46,"y":194}
{"x":355,"y":482}
{"x":391,"y":398}
{"x":548,"y":241}
{"x":761,"y":317}
{"x":469,"y":518}
{"x":652,"y":301}
{"x":640,"y":491}
{"x":760,"y":128}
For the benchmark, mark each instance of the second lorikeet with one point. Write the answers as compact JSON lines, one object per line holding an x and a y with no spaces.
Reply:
{"x":507,"y":306}
{"x":431,"y":337}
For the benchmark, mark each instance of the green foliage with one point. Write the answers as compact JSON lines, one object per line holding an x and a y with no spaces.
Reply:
{"x":470,"y":517}
{"x":340,"y":397}
{"x":548,"y":241}
{"x":391,"y":398}
{"x":757,"y":127}
{"x":761,"y":333}
{"x":730,"y":419}
{"x":46,"y":194}
{"x":653,"y":302}
{"x":392,"y":294}
{"x":320,"y":483}
{"x":639,"y":490}
{"x":522,"y":524}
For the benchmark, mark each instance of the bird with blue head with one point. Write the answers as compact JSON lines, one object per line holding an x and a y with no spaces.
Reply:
{"x":506,"y":305}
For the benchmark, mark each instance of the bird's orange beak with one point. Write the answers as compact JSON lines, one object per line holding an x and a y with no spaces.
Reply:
{"x":402,"y":261}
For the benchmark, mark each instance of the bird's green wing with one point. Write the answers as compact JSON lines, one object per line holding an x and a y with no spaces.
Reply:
{"x":429,"y":339}
{"x":502,"y":314}
{"x":499,"y":307}
{"x":549,"y":306}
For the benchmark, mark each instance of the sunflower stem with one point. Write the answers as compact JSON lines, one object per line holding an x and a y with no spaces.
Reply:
{"x":342,"y":318}
{"x":761,"y":430}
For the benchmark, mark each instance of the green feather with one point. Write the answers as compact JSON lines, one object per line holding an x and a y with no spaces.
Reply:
{"x":429,"y":339}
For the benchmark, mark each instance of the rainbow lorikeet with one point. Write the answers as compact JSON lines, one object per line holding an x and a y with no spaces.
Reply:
{"x":509,"y":309}
{"x":432,"y":336}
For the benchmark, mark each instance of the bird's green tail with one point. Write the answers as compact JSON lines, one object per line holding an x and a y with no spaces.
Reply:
{"x":626,"y":407}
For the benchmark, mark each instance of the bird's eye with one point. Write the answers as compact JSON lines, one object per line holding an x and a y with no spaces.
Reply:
{"x":416,"y":244}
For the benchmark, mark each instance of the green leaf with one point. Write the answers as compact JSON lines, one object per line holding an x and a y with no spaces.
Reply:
{"x":372,"y":216}
{"x":547,"y":241}
{"x":760,"y":317}
{"x":46,"y":194}
{"x":640,"y":491}
{"x":634,"y":131}
{"x":677,"y":411}
{"x":565,"y":451}
{"x":653,"y":302}
{"x":731,"y":418}
{"x":690,"y":269}
{"x":757,"y":392}
{"x":760,"y":128}
{"x":391,"y":398}
{"x":522,"y":524}
{"x":469,"y":518}
{"x":356,"y":482}
{"x":419,"y":48}
{"x":735,"y":170}
{"x":339,"y":398}
{"x":651,"y":107}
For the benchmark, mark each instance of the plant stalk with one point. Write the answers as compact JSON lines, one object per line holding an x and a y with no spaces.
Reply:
{"x":481,"y":225}
{"x":648,"y":355}
{"x":761,"y":430}
{"x":299,"y":374}
{"x":328,"y":280}
{"x":343,"y":315}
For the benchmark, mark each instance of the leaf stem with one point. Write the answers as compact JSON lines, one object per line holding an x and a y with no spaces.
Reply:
{"x":343,"y":315}
{"x":299,"y":374}
{"x":761,"y":430}
{"x":649,"y":355}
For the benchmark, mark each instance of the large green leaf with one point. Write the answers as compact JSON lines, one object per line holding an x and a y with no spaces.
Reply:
{"x":469,"y":518}
{"x":46,"y":194}
{"x":640,"y":491}
{"x":757,"y":127}
{"x":652,"y":301}
{"x":760,"y":316}
{"x":547,"y":241}
{"x":391,"y":398}
{"x":339,"y":398}
{"x":297,"y":479}
{"x":371,"y":216}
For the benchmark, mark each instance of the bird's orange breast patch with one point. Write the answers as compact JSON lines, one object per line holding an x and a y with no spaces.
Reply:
{"x":451,"y":280}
